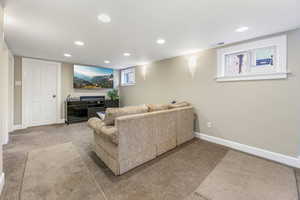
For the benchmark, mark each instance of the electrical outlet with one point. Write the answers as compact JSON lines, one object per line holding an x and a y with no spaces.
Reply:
{"x":209,"y":124}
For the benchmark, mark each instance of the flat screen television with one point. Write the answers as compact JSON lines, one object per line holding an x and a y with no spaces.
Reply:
{"x":89,"y":77}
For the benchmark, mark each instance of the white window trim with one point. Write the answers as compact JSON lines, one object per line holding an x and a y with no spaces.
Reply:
{"x":281,"y":64}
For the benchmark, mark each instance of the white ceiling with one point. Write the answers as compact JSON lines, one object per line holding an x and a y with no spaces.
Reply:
{"x":48,"y":28}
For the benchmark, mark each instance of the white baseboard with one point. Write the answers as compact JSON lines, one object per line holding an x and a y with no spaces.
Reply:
{"x":2,"y":182}
{"x":17,"y":127}
{"x":6,"y":139}
{"x":277,"y":157}
{"x":61,"y":121}
{"x":20,"y":126}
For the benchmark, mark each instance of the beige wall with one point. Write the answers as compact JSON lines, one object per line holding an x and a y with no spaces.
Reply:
{"x":5,"y":95}
{"x":263,"y":114}
{"x":3,"y":99}
{"x":66,"y":88}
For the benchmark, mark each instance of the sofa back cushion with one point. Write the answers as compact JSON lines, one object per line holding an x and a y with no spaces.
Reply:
{"x":157,"y":107}
{"x":112,"y":113}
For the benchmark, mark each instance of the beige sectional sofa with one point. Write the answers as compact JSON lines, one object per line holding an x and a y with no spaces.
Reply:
{"x":140,"y":136}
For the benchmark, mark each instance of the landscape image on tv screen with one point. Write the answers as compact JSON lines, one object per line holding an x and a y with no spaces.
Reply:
{"x":87,"y":77}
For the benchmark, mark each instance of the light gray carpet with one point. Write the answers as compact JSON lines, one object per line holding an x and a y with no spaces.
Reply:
{"x":173,"y":176}
{"x":58,"y":173}
{"x":241,"y":176}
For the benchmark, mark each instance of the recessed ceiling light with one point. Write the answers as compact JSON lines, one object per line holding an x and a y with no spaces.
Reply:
{"x":219,"y":44}
{"x":79,"y":43}
{"x":127,"y":54}
{"x":104,"y":18}
{"x":160,"y":41}
{"x":67,"y":55}
{"x":242,"y":29}
{"x":106,"y":61}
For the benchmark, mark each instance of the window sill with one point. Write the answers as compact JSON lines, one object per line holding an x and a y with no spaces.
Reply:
{"x":280,"y":75}
{"x":127,"y":84}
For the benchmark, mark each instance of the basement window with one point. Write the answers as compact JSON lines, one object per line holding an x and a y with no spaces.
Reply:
{"x":128,"y":76}
{"x":259,"y":60}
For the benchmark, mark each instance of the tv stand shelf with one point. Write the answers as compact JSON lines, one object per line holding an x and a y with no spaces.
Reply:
{"x":80,"y":110}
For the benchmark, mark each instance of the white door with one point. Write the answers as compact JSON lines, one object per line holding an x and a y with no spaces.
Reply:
{"x":40,"y":92}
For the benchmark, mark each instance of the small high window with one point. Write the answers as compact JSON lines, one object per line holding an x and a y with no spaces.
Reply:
{"x":128,"y":76}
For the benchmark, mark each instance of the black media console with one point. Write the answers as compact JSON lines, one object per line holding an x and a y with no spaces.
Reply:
{"x":80,"y":110}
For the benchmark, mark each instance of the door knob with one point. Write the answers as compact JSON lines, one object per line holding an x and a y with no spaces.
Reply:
{"x":54,"y":96}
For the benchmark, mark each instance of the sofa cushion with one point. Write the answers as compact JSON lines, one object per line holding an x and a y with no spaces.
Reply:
{"x":179,"y":105}
{"x":157,"y":107}
{"x":112,"y":113}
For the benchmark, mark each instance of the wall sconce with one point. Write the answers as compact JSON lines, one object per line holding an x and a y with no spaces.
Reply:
{"x":144,"y":71}
{"x":192,"y":64}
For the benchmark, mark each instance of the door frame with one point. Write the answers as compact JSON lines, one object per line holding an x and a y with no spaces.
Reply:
{"x":25,"y":114}
{"x":11,"y":64}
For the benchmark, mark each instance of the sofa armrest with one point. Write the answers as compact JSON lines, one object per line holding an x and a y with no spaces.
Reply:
{"x":95,"y":123}
{"x":110,"y":132}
